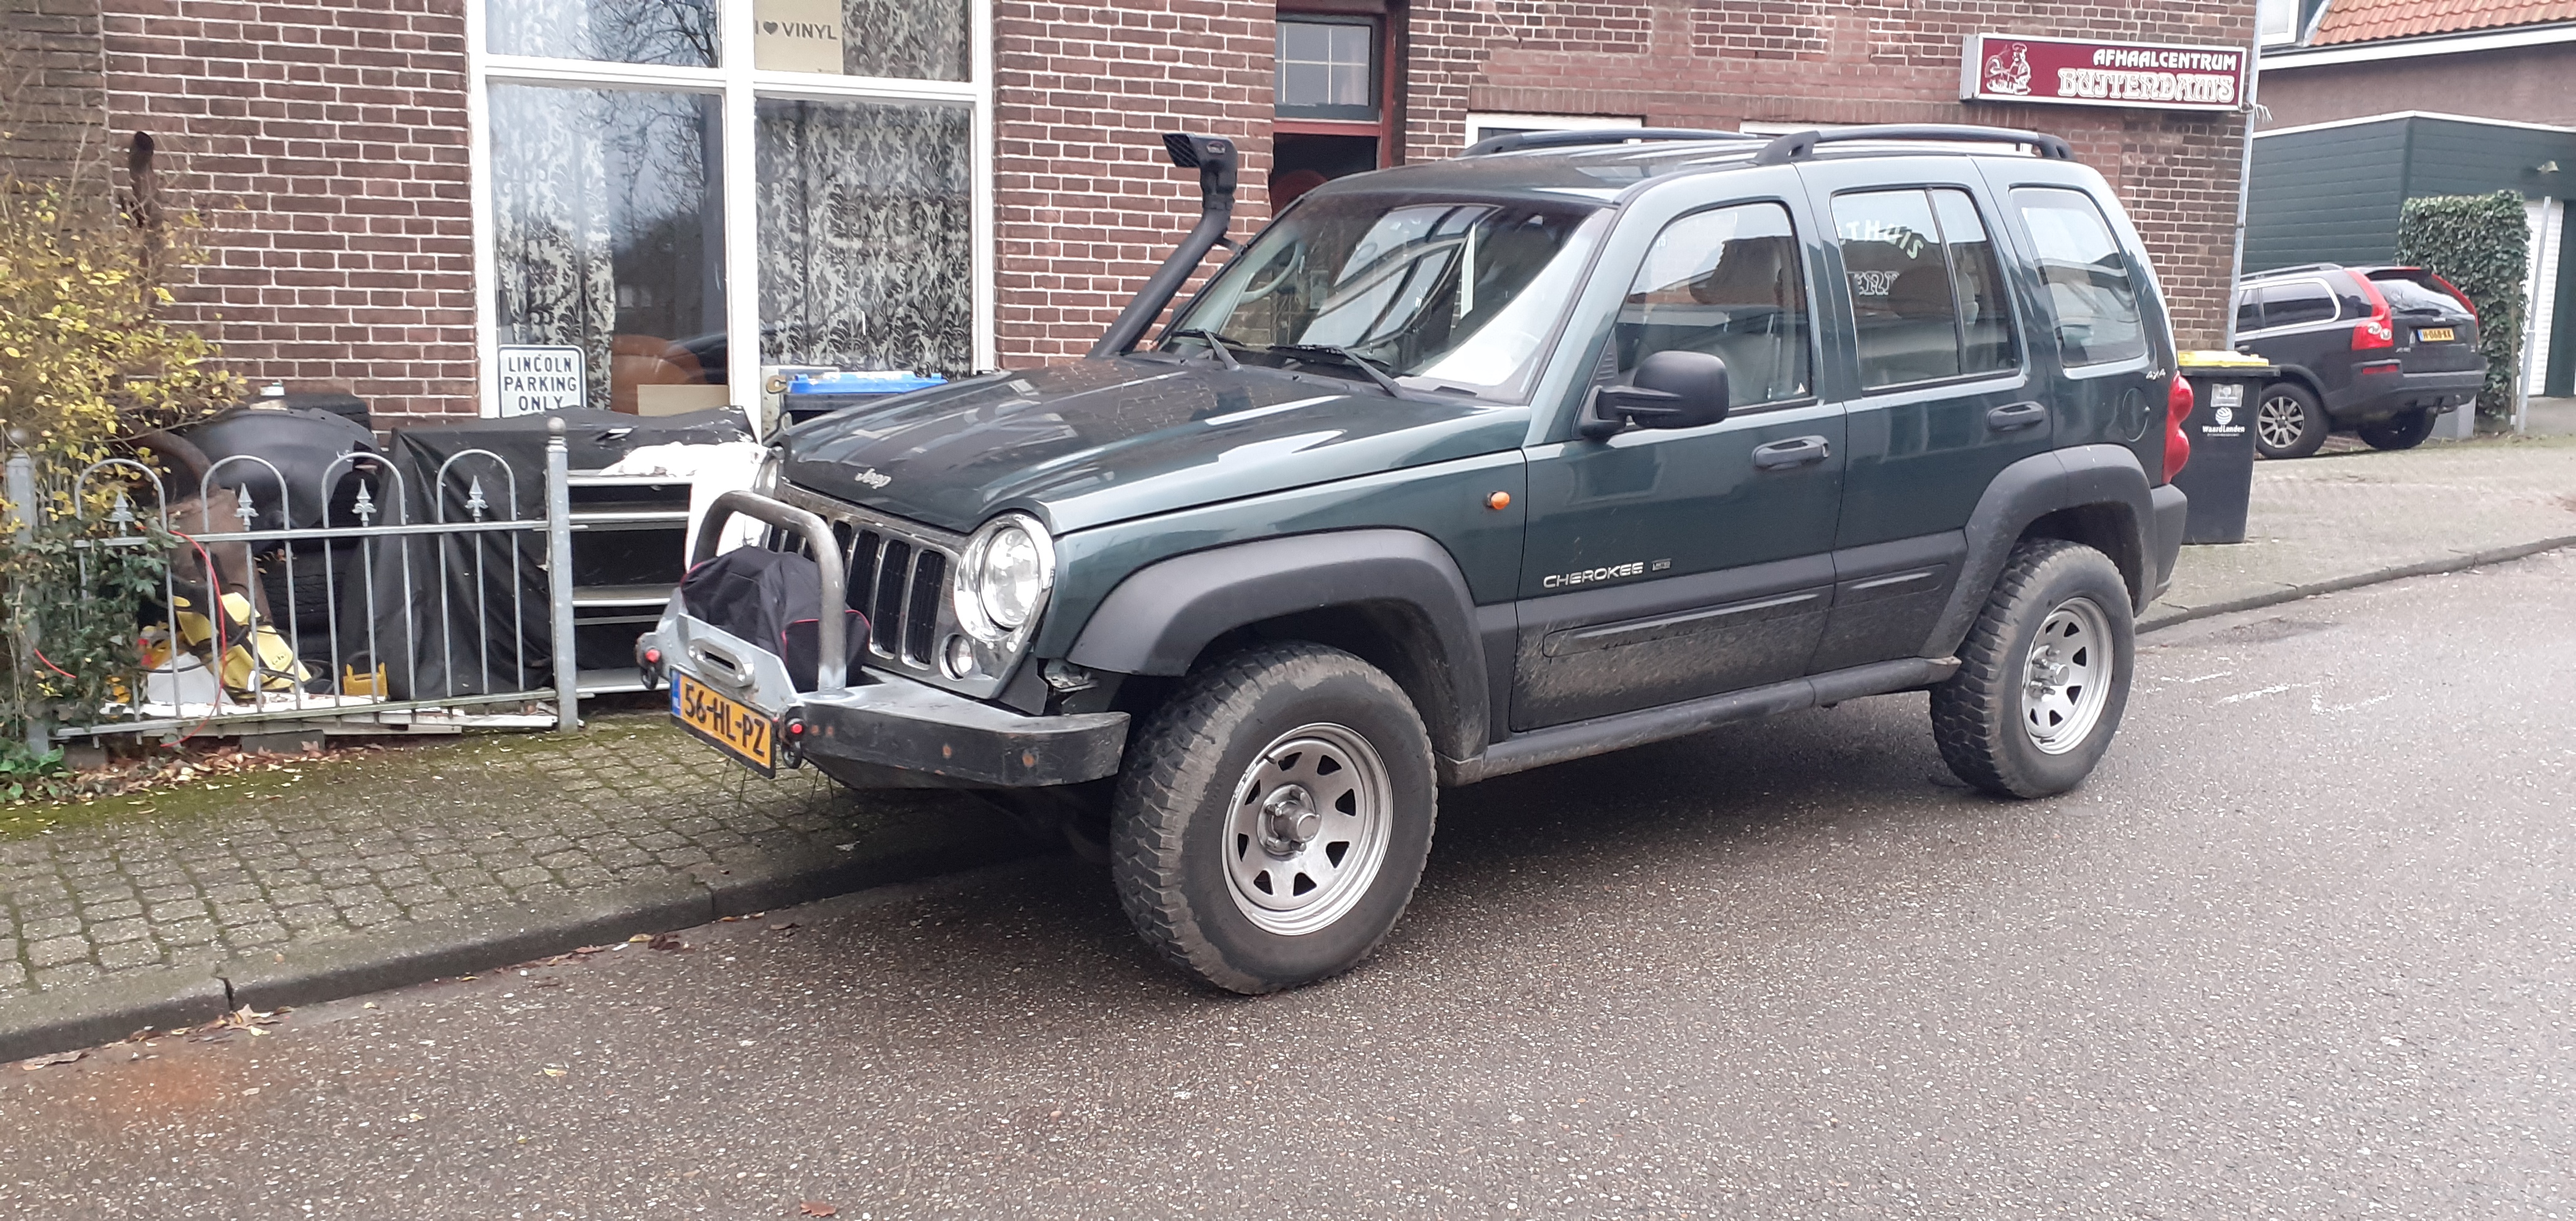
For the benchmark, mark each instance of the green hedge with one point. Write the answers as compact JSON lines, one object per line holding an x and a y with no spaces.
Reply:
{"x":2481,"y":244}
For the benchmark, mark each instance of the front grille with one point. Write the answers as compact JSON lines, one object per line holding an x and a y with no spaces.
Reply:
{"x":898,"y":578}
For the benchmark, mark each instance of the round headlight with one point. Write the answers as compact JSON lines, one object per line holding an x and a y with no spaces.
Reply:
{"x":1008,"y":568}
{"x":1008,"y":580}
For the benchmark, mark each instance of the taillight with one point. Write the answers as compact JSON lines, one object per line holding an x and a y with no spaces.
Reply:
{"x":2456,"y":295}
{"x":2380,"y":329}
{"x":2177,"y":411}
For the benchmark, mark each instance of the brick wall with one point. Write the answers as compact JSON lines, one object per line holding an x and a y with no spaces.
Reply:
{"x":323,"y":143}
{"x":1087,"y":202}
{"x":53,"y":92}
{"x":1719,"y":63}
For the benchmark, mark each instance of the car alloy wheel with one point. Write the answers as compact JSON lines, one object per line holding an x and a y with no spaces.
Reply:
{"x":1308,"y":829}
{"x":2066,"y":676}
{"x":2280,"y":421}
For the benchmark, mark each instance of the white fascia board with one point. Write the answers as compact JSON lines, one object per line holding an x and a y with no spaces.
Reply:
{"x":2411,"y":48}
{"x":2416,"y":114}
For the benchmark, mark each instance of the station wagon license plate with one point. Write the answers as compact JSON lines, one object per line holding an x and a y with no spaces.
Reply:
{"x":2435,"y":334}
{"x":725,"y":723}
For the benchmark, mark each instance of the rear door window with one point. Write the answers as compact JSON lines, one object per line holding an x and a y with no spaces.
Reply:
{"x":2249,"y":311}
{"x":1927,"y":294}
{"x":1725,"y":282}
{"x":2297,"y":303}
{"x":2089,"y":285}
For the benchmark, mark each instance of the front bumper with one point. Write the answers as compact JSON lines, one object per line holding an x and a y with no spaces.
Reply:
{"x":889,"y":721}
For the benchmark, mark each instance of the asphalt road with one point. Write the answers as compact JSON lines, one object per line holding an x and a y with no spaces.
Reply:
{"x":2301,"y":949}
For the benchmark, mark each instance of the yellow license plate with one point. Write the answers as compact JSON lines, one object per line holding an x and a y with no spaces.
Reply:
{"x":2435,"y":334}
{"x":725,"y":723}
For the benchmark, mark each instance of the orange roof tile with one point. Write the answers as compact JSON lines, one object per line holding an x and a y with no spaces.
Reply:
{"x":2371,"y":20}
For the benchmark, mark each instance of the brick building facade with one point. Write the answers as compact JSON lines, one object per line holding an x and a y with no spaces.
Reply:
{"x":363,"y":233}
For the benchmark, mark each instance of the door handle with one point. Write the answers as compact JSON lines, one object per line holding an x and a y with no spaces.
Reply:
{"x":1796,"y":451}
{"x":2011,"y":416}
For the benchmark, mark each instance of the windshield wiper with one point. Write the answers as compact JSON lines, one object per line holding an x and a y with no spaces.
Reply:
{"x":1216,"y":343}
{"x":1347,"y":356}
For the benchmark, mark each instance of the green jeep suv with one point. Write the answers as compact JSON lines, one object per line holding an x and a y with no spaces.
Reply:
{"x":1575,"y":442}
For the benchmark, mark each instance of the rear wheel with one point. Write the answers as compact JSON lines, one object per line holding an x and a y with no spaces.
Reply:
{"x":1273,"y":817}
{"x":2044,"y":674}
{"x":2405,"y":430}
{"x":2289,"y":422}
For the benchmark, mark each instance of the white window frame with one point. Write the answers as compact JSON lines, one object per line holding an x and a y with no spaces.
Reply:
{"x":1477,"y":121}
{"x":738,"y":87}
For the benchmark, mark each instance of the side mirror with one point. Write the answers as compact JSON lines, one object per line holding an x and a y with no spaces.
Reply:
{"x":1668,"y":390}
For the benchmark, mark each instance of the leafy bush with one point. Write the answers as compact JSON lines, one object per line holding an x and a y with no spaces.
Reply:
{"x":2482,"y":245}
{"x":86,"y":361}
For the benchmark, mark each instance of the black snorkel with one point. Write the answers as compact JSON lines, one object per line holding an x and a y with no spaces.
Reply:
{"x":1215,"y":158}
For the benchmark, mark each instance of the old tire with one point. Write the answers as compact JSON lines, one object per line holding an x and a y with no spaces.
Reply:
{"x":1273,"y":816}
{"x":2405,"y":430}
{"x":2289,"y":422}
{"x":2044,"y":674}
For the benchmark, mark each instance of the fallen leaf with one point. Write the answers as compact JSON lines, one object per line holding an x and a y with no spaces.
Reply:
{"x":643,"y":938}
{"x":817,"y":1208}
{"x":780,"y":928}
{"x":32,"y":1063}
{"x":666,"y":941}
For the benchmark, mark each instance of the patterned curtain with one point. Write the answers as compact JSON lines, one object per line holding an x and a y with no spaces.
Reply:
{"x":912,"y":39}
{"x":605,"y":221}
{"x":866,"y":235}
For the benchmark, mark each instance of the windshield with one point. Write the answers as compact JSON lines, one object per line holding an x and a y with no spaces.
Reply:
{"x":1452,"y":296}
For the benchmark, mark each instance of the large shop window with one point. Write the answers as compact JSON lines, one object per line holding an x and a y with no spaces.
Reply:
{"x":667,"y":187}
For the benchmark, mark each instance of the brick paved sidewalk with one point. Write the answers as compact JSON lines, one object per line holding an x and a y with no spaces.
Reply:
{"x":424,"y":836}
{"x":2358,"y":514}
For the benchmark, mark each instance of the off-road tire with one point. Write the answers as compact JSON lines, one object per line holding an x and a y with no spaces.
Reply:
{"x":2313,"y":429}
{"x":1169,"y":824}
{"x":1977,"y":714}
{"x":2405,"y":430}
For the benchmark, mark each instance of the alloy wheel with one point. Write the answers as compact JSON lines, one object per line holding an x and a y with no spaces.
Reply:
{"x":2279,"y":421}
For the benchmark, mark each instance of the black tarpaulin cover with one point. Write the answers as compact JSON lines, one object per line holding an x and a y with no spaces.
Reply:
{"x":475,"y":623}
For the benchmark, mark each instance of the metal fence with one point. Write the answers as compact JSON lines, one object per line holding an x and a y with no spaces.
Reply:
{"x":422,"y":616}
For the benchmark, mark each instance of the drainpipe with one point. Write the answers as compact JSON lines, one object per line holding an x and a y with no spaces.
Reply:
{"x":2244,"y":180}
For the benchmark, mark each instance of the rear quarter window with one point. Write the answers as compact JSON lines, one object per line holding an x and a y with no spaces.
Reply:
{"x":2297,"y":303}
{"x":2090,"y":288}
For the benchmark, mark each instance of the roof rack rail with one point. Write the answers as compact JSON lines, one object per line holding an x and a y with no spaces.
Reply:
{"x":1797,"y":145}
{"x":1519,"y":140}
{"x":2291,"y":270}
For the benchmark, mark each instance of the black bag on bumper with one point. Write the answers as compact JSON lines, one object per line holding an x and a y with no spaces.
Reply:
{"x":772,"y":599}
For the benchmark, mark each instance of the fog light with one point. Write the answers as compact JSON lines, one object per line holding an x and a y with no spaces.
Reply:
{"x":959,"y":658}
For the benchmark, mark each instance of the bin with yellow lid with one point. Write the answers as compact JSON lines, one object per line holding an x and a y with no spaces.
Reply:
{"x":2220,"y":476}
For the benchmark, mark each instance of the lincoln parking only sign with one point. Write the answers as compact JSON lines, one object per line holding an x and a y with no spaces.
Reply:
{"x":535,"y":379}
{"x":2075,"y":72}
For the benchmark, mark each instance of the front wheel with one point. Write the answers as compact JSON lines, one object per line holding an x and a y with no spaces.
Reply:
{"x":1273,"y":817}
{"x":2044,"y":674}
{"x":2405,"y":430}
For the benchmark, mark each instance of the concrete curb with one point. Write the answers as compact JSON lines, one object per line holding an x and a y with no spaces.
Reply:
{"x":358,"y":963}
{"x":2455,"y":562}
{"x":159,"y":997}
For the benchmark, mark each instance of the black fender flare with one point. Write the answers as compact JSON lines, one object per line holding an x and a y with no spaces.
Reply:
{"x":1159,"y":619}
{"x":2078,"y":476}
